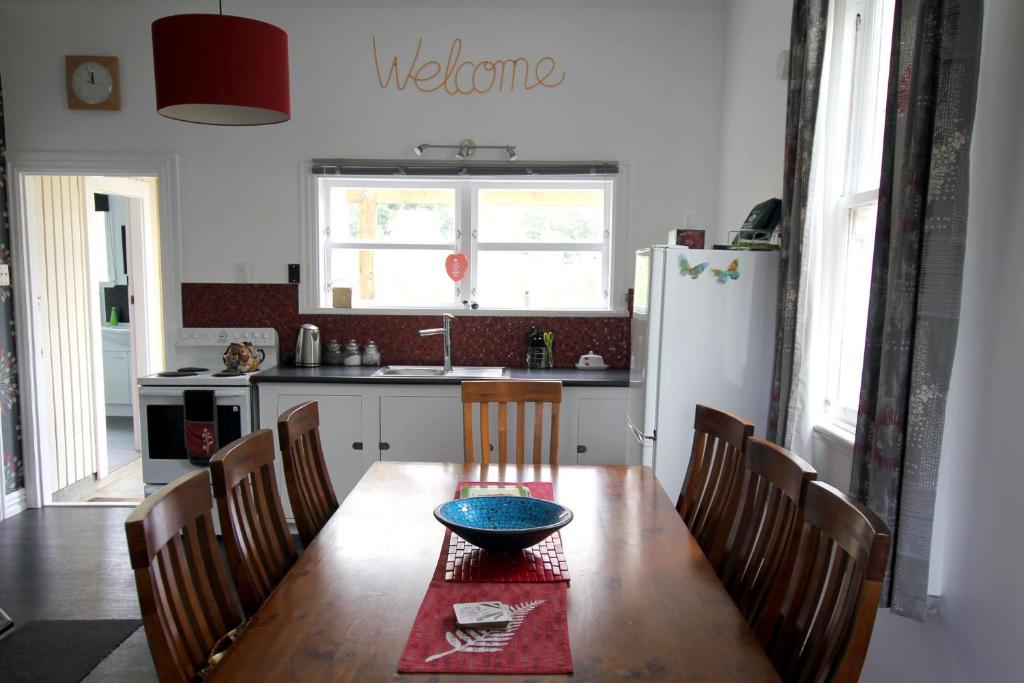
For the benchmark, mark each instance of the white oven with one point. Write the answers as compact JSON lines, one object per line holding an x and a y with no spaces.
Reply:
{"x":163,"y":428}
{"x":199,"y":368}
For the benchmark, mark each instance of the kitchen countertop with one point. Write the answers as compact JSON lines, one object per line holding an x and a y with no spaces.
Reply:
{"x":341,"y":374}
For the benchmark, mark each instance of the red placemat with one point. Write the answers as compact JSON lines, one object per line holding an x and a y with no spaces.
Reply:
{"x":536,"y":642}
{"x":462,"y":561}
{"x":542,"y":562}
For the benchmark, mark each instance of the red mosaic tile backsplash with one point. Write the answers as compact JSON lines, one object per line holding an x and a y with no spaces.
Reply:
{"x":476,"y":340}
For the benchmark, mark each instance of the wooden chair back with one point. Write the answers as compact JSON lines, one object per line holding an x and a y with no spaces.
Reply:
{"x":768,"y":498}
{"x":187,"y":600}
{"x":259,"y":545}
{"x":504,"y":392}
{"x":305,"y":472}
{"x":817,"y":625}
{"x":716,"y":459}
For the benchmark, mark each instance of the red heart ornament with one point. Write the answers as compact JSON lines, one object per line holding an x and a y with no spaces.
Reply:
{"x":457,"y":266}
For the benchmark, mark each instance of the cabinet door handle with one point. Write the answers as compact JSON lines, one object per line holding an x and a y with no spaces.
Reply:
{"x":581,"y":449}
{"x":384,"y":445}
{"x":357,"y":445}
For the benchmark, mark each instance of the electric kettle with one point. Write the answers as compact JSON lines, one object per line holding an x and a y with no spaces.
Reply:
{"x":307,"y":346}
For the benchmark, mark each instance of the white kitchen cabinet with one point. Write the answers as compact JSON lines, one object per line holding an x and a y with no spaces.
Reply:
{"x":341,"y":431}
{"x":601,"y":431}
{"x":362,"y":423}
{"x":117,"y":361}
{"x":421,"y":428}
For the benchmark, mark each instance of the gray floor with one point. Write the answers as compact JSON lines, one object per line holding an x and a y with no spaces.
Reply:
{"x":72,"y":563}
{"x":120,"y":442}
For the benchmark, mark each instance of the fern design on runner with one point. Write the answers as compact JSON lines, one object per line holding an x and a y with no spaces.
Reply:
{"x":476,"y":640}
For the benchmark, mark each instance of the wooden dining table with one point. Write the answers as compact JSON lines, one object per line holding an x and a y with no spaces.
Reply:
{"x":643,"y":602}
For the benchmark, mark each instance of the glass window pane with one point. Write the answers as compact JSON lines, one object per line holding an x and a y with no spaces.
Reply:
{"x":876,"y":82}
{"x":532,"y":215}
{"x":398,"y":278}
{"x":392,"y":214}
{"x":540,"y":279}
{"x":860,"y":249}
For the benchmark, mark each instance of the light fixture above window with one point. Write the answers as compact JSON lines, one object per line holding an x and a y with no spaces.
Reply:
{"x":466,"y":148}
{"x":221,"y":70}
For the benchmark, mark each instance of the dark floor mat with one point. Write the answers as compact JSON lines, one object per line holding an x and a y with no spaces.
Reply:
{"x":62,"y":650}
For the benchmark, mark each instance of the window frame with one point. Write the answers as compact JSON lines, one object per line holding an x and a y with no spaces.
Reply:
{"x":316,"y":265}
{"x":846,"y":111}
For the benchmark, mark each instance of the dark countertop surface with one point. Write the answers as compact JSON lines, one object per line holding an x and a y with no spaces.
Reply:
{"x":341,"y":374}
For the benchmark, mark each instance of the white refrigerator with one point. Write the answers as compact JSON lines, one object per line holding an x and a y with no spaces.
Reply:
{"x":703,"y":332}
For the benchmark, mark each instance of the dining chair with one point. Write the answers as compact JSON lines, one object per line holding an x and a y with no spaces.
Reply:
{"x":256,"y":537}
{"x":504,"y":392}
{"x":816,"y":625}
{"x":305,"y":472}
{"x":715,"y":460}
{"x":768,"y":498}
{"x":187,"y":600}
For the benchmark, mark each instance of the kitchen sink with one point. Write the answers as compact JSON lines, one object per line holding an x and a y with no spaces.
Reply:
{"x":438,"y":371}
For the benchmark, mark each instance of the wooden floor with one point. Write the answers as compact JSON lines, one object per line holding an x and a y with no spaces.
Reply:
{"x":72,"y":563}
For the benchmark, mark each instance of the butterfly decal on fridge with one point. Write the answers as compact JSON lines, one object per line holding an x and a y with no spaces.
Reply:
{"x":693,"y":271}
{"x":730,"y":273}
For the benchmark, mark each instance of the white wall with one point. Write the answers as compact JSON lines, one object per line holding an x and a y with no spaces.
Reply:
{"x":643,"y":86}
{"x":978,"y":634}
{"x":753,"y":109}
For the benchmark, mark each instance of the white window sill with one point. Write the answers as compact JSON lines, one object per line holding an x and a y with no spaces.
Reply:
{"x":469,"y":312}
{"x":838,"y":435}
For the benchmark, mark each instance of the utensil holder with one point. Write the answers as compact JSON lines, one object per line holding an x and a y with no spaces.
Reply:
{"x":537,"y":358}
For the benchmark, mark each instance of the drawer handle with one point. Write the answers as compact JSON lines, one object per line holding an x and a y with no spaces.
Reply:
{"x":581,"y":449}
{"x":384,"y":445}
{"x":357,"y":445}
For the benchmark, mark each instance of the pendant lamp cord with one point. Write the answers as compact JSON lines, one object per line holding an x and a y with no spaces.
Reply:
{"x":220,"y":6}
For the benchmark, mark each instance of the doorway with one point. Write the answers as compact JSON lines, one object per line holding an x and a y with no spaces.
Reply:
{"x":95,"y":276}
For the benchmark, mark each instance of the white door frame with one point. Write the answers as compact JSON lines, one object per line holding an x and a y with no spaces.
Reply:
{"x":26,"y":282}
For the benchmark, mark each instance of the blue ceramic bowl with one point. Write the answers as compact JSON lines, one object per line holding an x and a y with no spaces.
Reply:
{"x":503,"y":524}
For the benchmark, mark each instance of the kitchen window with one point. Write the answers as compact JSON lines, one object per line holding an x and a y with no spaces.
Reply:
{"x":854,"y":120}
{"x":533,"y":244}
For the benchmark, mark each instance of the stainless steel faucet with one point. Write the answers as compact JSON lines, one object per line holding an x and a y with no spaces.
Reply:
{"x":447,"y":318}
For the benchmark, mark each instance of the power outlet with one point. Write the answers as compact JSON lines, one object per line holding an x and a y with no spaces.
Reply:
{"x":5,"y":275}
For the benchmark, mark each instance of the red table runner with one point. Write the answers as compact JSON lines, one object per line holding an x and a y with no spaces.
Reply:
{"x":537,"y":640}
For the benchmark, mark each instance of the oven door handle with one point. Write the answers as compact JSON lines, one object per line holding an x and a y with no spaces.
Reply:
{"x":171,"y":392}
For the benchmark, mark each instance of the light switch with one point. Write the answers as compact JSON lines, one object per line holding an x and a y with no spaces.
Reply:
{"x":5,"y":275}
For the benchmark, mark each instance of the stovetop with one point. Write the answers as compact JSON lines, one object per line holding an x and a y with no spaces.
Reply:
{"x":199,"y":351}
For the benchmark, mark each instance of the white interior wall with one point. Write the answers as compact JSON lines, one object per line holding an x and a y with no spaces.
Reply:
{"x":978,"y":534}
{"x":643,"y":86}
{"x":753,"y":109}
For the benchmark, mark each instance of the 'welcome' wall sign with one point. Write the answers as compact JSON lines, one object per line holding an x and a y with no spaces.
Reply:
{"x":467,"y":77}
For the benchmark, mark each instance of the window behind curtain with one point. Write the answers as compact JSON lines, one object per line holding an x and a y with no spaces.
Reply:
{"x":860,"y":40}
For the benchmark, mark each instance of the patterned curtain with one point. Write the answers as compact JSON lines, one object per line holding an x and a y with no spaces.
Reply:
{"x":806,"y":54}
{"x":914,"y":309}
{"x":10,"y":423}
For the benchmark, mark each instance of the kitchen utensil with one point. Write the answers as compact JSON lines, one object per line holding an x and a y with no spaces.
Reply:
{"x":549,"y":343}
{"x":307,"y":346}
{"x":503,"y":524}
{"x":537,"y":357}
{"x":591,"y":361}
{"x":242,"y":357}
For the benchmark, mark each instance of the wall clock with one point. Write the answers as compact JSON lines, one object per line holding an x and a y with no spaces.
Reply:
{"x":92,"y":82}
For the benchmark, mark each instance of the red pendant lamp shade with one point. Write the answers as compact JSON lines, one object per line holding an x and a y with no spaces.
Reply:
{"x":221,"y":70}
